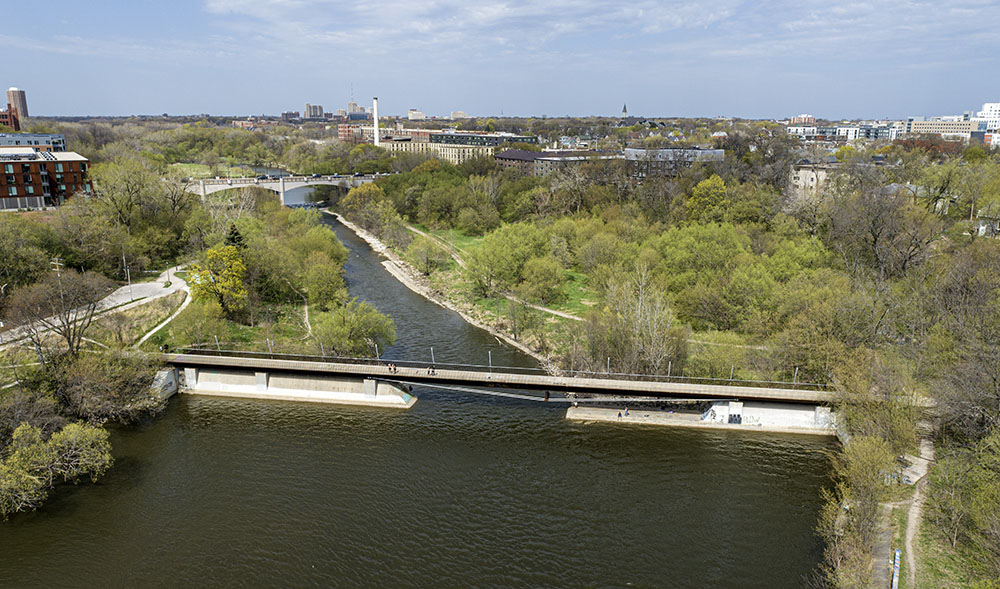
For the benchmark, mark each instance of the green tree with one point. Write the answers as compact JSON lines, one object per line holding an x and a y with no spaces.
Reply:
{"x":849,"y":521}
{"x":708,"y":199}
{"x":324,"y":281}
{"x":354,"y":329}
{"x":220,"y":279}
{"x":426,"y":255}
{"x":31,"y":465}
{"x":542,"y":280}
{"x":496,"y":263}
{"x":110,"y":387}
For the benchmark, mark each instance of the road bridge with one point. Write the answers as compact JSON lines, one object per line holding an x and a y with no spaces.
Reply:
{"x":261,"y":366}
{"x":281,"y":185}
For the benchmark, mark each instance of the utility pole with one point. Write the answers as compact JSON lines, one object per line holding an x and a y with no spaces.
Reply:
{"x":128,"y":274}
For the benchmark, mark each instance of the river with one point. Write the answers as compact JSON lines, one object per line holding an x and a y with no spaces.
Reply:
{"x":459,"y":491}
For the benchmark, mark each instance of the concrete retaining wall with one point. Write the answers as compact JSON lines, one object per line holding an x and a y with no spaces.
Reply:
{"x":294,"y":387}
{"x":744,"y":416}
{"x":165,"y":383}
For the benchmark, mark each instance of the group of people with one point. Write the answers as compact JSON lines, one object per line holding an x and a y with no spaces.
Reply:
{"x":393,"y":369}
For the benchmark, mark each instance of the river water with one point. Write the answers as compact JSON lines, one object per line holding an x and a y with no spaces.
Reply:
{"x":459,"y":491}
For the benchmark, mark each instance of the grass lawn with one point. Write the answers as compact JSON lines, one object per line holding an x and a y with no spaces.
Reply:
{"x":123,"y":328}
{"x":456,"y":238}
{"x":579,"y":297}
{"x":282,"y":324}
{"x":941,"y":566}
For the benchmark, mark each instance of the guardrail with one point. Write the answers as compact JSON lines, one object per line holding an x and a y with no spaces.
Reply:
{"x":487,"y":369}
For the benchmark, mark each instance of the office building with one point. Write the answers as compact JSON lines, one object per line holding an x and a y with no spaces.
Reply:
{"x":289,"y":116}
{"x":32,"y":179}
{"x":947,"y":129}
{"x":474,"y":138}
{"x":313,"y":111}
{"x":458,"y":114}
{"x":454,"y":154}
{"x":17,"y":100}
{"x":40,"y":141}
{"x":990,"y":114}
{"x":803,"y":120}
{"x":415,"y":115}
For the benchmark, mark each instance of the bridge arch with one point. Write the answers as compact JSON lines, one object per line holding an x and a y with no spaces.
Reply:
{"x":281,"y":186}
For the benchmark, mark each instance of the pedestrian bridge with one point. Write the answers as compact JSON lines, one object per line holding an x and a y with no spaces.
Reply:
{"x":280,"y":185}
{"x":223,"y":371}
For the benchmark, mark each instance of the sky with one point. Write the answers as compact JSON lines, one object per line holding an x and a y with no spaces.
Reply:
{"x":761,"y":59}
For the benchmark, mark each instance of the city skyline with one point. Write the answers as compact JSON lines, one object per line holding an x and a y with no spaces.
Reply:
{"x":570,"y":57}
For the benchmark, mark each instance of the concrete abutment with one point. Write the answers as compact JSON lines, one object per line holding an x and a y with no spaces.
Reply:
{"x":283,"y":386}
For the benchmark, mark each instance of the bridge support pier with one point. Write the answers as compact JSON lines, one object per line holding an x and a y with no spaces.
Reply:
{"x":285,"y":386}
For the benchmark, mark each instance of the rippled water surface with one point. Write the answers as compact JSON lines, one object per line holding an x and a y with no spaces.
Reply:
{"x":459,"y":491}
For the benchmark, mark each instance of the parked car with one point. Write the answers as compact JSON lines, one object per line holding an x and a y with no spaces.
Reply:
{"x":262,"y":177}
{"x":317,"y":175}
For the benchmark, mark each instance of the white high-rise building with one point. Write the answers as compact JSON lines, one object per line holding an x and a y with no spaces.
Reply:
{"x":415,"y":115}
{"x":313,"y":111}
{"x":990,"y":114}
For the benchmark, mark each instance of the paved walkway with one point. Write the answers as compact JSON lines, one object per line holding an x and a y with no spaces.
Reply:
{"x":126,"y":297}
{"x":545,"y":382}
{"x":920,"y":465}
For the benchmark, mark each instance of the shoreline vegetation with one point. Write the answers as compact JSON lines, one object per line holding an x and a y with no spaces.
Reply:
{"x":407,"y":274}
{"x":881,"y":280}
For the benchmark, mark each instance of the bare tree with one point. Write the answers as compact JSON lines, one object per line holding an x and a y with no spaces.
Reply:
{"x":63,"y":303}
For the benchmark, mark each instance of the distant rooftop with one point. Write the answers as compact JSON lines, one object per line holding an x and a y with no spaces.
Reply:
{"x":27,"y":154}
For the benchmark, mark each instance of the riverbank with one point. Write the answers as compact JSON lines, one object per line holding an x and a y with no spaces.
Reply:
{"x":406,"y":274}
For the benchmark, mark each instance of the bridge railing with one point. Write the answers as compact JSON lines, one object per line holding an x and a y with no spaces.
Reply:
{"x":254,"y":180}
{"x":507,"y":369}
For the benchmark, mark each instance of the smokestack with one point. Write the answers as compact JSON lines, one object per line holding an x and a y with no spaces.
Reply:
{"x":375,"y":116}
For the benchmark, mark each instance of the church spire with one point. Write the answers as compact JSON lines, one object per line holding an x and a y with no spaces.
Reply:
{"x":624,"y":111}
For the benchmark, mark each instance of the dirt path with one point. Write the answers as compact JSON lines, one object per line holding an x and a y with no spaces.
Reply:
{"x":453,"y":252}
{"x":915,"y":513}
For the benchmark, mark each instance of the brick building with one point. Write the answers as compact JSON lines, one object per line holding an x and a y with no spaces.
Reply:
{"x":31,"y":178}
{"x":9,"y":118}
{"x":540,"y":163}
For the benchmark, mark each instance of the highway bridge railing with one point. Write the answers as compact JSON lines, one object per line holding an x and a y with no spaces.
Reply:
{"x":423,"y":364}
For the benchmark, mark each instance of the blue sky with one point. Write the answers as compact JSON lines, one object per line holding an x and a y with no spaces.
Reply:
{"x":772,"y":58}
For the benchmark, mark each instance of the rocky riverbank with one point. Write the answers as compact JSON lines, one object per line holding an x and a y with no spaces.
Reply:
{"x":404,"y":272}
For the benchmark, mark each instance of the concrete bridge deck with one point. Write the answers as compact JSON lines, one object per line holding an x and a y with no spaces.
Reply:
{"x":502,"y":379}
{"x":281,"y":185}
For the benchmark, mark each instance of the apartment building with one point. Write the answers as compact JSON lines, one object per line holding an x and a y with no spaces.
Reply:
{"x":40,"y":141}
{"x":31,"y":178}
